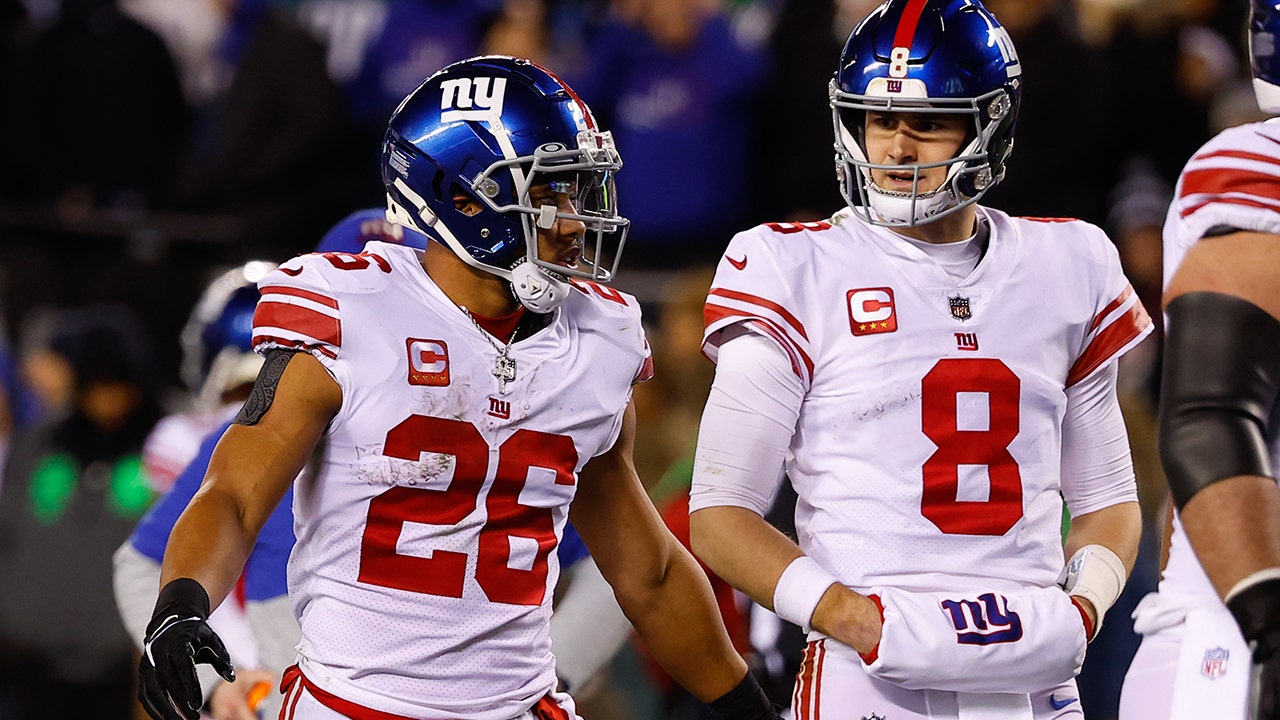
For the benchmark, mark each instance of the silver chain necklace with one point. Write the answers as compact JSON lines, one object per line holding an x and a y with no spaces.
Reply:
{"x":504,"y":368}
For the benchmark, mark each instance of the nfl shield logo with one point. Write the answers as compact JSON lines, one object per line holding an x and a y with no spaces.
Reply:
{"x":960,"y":308}
{"x":1215,"y":663}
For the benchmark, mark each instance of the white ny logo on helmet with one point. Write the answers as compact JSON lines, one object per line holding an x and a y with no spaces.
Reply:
{"x":472,"y":98}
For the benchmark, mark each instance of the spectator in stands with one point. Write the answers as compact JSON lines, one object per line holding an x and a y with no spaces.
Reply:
{"x":272,"y":146}
{"x":94,"y":113}
{"x":73,"y":490}
{"x":679,"y":89}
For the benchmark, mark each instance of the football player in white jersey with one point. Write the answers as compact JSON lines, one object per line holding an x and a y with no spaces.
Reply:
{"x":465,"y":395}
{"x":936,"y":378}
{"x":1218,"y":602}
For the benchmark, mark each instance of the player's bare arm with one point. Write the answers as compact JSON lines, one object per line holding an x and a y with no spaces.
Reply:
{"x":1231,"y":521}
{"x":751,"y":555}
{"x":292,"y":402}
{"x":657,"y":582}
{"x":250,"y":471}
{"x":1118,"y":528}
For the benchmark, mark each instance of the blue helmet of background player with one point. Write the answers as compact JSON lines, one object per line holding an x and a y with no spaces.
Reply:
{"x":490,"y":128}
{"x":926,"y":56}
{"x":1264,"y":28}
{"x":361,"y":226}
{"x":217,"y":348}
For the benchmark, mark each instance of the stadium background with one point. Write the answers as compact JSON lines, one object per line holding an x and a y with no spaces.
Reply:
{"x":146,"y":144}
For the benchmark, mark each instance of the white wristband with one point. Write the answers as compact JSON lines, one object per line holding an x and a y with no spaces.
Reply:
{"x":799,"y":589}
{"x":1096,"y":574}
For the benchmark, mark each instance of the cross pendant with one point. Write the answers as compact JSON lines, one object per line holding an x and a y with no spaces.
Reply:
{"x":504,"y":368}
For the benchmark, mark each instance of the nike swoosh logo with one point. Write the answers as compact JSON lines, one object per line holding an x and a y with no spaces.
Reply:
{"x":291,"y":272}
{"x":1059,"y":704}
{"x":739,"y":264}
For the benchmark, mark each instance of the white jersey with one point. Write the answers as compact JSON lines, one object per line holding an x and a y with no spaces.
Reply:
{"x":928,"y":447}
{"x":425,"y":559}
{"x":1233,"y":181}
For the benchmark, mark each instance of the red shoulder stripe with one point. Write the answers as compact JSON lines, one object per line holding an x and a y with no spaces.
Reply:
{"x":1274,"y":207}
{"x":1239,"y":154}
{"x":716,"y":313}
{"x":762,"y":302}
{"x":299,"y":293}
{"x":298,"y":319}
{"x":1221,"y":181}
{"x":1111,"y":307}
{"x":1107,"y":343}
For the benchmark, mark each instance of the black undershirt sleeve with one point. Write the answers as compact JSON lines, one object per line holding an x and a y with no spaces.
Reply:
{"x":264,"y":388}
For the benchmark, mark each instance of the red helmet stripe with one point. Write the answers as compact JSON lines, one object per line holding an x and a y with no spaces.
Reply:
{"x":586,"y":111}
{"x":907,"y":24}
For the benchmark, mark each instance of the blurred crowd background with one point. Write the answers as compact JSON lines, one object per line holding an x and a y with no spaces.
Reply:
{"x":146,"y":145}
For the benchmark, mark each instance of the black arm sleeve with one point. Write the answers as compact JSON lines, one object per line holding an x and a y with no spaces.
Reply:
{"x":264,"y":388}
{"x":1220,"y":381}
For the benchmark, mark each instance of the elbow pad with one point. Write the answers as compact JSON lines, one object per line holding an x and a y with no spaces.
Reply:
{"x":1220,"y":381}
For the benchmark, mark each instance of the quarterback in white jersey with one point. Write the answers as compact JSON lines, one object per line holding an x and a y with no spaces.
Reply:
{"x":465,"y":394}
{"x":1218,"y":433}
{"x":935,"y":378}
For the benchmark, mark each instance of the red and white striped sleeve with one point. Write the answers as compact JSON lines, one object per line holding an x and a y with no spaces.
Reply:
{"x":297,"y":310}
{"x":748,"y":290}
{"x":1233,"y":181}
{"x":1119,"y":323}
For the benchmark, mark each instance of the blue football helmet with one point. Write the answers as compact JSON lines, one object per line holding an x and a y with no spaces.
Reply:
{"x":492,"y":127}
{"x":361,"y":226}
{"x":1264,"y":28}
{"x":217,"y":341}
{"x":926,"y":56}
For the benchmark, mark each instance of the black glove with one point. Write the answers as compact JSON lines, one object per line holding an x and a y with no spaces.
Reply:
{"x":1257,"y":611}
{"x":177,"y":638}
{"x":746,"y":701}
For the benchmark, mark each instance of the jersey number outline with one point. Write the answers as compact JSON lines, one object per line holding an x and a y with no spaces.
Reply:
{"x":940,"y":502}
{"x":356,"y":261}
{"x":444,"y":573}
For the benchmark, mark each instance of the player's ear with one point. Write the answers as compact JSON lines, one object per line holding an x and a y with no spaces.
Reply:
{"x":465,"y":202}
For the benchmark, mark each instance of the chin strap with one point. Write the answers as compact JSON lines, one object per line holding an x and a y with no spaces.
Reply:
{"x":910,"y":210}
{"x":537,"y":288}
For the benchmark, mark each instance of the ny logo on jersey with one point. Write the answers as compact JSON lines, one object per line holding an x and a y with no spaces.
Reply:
{"x":985,"y":621}
{"x":428,"y":362}
{"x":500,"y":409}
{"x":871,"y":311}
{"x":472,"y":99}
{"x":967,"y":341}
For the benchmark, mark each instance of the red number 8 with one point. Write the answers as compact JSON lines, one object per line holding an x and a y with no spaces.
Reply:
{"x":990,"y":447}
